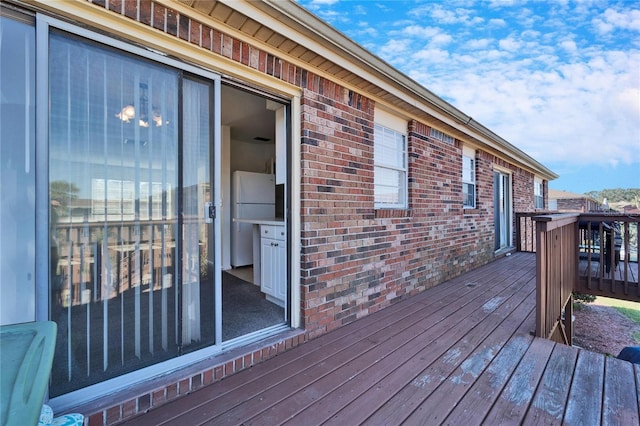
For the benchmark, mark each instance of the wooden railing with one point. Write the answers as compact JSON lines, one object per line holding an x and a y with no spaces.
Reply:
{"x":556,"y":272}
{"x":608,"y":251}
{"x":593,"y":254}
{"x":526,"y":230}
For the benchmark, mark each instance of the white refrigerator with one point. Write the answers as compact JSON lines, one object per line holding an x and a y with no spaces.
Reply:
{"x":253,"y":196}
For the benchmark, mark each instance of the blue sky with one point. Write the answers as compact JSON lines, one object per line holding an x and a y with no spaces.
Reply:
{"x":558,"y":79}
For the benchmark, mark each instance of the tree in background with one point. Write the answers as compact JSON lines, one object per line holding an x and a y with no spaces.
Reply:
{"x":617,"y":195}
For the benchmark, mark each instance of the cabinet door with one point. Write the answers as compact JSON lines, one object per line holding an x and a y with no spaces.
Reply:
{"x":268,"y":260}
{"x":280,"y":271}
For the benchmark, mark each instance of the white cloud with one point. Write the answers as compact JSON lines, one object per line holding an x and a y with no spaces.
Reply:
{"x":365,"y":30}
{"x":497,"y":22}
{"x":569,"y":46}
{"x":432,"y":56}
{"x":420,"y":32}
{"x":611,"y":20}
{"x":323,"y":2}
{"x":509,"y":44}
{"x":481,"y":43}
{"x":394,"y":48}
{"x":443,"y":16}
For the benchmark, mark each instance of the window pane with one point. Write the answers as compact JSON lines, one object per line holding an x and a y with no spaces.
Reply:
{"x":388,"y":186}
{"x":197,"y":285}
{"x":468,"y":191}
{"x":17,"y":172}
{"x":389,"y":148}
{"x":113,"y":181}
{"x":468,"y":170}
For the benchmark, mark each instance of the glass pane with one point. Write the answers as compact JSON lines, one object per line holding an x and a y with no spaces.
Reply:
{"x":468,"y":170}
{"x":17,"y":172}
{"x":113,"y":181}
{"x":468,"y":191}
{"x":388,"y":186}
{"x":389,"y":148}
{"x":197,"y":236}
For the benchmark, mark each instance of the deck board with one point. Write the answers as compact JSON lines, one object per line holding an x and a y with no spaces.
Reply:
{"x":585,"y":398}
{"x":620,"y":405}
{"x":549,"y":401}
{"x":485,"y":390}
{"x":622,"y":272}
{"x":459,"y":353}
{"x":513,"y":403}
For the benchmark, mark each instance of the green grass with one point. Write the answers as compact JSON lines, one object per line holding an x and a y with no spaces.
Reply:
{"x":629,"y":309}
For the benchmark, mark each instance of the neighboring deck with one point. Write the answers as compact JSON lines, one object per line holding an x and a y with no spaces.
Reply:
{"x":461,"y":353}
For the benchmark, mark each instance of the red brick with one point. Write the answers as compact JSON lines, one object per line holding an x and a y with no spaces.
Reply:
{"x":195,"y":35}
{"x":206,"y":37}
{"x":219,"y":372}
{"x":207,"y":377}
{"x":236,"y":47}
{"x":172,"y":391}
{"x":115,"y":6}
{"x":158,"y":397}
{"x":172,"y":26}
{"x":217,"y":42}
{"x":129,"y":408}
{"x":96,"y":419}
{"x":131,"y":9}
{"x":145,"y":12}
{"x":113,"y":415}
{"x":238,"y":364}
{"x":184,"y":23}
{"x":158,"y":16}
{"x":184,"y":387}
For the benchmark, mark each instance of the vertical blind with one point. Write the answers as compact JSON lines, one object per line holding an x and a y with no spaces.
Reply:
{"x":128,"y":238}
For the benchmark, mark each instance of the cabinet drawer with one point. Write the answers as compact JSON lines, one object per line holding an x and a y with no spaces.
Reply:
{"x":273,"y":231}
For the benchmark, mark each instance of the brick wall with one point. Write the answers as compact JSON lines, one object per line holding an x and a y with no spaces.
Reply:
{"x":356,"y":260}
{"x":577,"y":205}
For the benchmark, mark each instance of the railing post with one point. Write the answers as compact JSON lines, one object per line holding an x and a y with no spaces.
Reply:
{"x":519,"y":217}
{"x":541,"y":279}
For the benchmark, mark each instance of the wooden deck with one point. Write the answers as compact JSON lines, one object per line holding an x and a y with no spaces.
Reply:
{"x":461,"y":353}
{"x":621,"y":272}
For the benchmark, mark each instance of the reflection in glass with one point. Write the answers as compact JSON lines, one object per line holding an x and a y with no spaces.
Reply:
{"x":197,"y":258}
{"x":17,"y":171}
{"x":113,"y":192}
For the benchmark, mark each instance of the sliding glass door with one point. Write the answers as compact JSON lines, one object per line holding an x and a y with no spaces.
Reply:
{"x":197,"y":277}
{"x":502,"y":210}
{"x":132,"y":277}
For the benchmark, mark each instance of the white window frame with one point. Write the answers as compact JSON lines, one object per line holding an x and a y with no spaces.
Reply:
{"x":538,"y":194}
{"x":469,"y":175}
{"x":381,"y":133}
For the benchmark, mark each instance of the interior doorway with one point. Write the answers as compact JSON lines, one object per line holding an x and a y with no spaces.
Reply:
{"x":253,"y":186}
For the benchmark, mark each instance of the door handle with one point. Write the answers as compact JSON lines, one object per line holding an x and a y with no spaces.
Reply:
{"x":209,"y":212}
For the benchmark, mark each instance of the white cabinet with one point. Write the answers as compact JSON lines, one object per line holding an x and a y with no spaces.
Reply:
{"x":273,"y":260}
